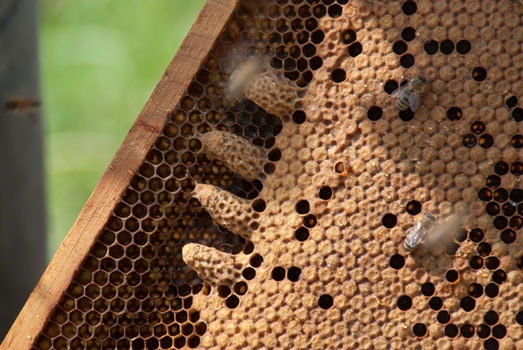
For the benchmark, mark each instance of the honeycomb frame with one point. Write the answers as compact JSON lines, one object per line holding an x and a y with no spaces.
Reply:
{"x":270,"y":208}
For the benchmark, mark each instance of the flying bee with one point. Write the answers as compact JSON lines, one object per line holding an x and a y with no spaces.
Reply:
{"x":21,"y":106}
{"x":417,"y":233}
{"x":409,"y":95}
{"x":242,"y":77}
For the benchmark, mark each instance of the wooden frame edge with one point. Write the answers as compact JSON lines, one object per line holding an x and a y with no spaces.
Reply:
{"x":167,"y":94}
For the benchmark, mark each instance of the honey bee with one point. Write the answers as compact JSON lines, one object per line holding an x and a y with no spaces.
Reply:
{"x":20,"y":106}
{"x":419,"y":231}
{"x":409,"y":95}
{"x":242,"y":77}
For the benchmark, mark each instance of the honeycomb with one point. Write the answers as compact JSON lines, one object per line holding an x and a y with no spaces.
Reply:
{"x":272,"y":208}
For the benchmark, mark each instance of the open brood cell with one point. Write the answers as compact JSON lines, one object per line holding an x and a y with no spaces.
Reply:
{"x":276,"y":217}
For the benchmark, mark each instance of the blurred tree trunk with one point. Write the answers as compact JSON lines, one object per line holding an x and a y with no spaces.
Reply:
{"x":22,"y":213}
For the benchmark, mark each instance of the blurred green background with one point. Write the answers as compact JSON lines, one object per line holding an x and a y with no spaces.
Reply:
{"x":100,"y":61}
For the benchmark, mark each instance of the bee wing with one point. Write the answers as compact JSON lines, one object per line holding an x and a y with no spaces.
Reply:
{"x":415,"y":235}
{"x":414,"y":100}
{"x":398,"y":91}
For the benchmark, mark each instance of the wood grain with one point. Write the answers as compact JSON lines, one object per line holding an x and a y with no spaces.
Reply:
{"x":116,"y":178}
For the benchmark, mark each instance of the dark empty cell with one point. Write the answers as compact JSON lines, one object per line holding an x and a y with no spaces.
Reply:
{"x":299,"y":117}
{"x":406,"y":115}
{"x":249,"y":273}
{"x":276,"y":63}
{"x":303,"y":207}
{"x":269,"y":168}
{"x":451,"y":330}
{"x":309,"y":50}
{"x":479,"y":74}
{"x":470,"y":140}
{"x":259,"y":205}
{"x":325,"y":192}
{"x":278,"y":273}
{"x":348,"y":36}
{"x":390,"y":86}
{"x":491,"y":344}
{"x":419,"y":330}
{"x":408,"y":34}
{"x":302,"y":64}
{"x":274,"y":155}
{"x":301,"y":234}
{"x":397,"y":261}
{"x":428,"y":289}
{"x":493,"y":181}
{"x":485,"y":194}
{"x":404,"y":302}
{"x":468,"y":304}
{"x":451,"y":248}
{"x":436,"y":303}
{"x":389,"y":220}
{"x":325,"y":301}
{"x":399,"y":47}
{"x":193,"y":341}
{"x":409,"y":7}
{"x":501,"y":168}
{"x":467,"y":331}
{"x":338,"y":75}
{"x":232,"y":302}
{"x":500,"y":222}
{"x":517,"y":141}
{"x":413,"y":207}
{"x":516,"y":168}
{"x":454,"y":114}
{"x":509,"y":208}
{"x":478,"y":127}
{"x":343,"y":2}
{"x":317,"y":36}
{"x":452,"y":276}
{"x":499,"y":276}
{"x":492,"y":290}
{"x":486,"y":141}
{"x":475,"y":290}
{"x":294,"y":274}
{"x":492,"y":263}
{"x":335,"y":11}
{"x":519,"y":318}
{"x":460,"y":235}
{"x":491,"y":318}
{"x":508,"y":236}
{"x":493,"y":208}
{"x":517,"y":114}
{"x":309,"y":221}
{"x":306,"y":79}
{"x":443,"y":317}
{"x":224,"y":291}
{"x":355,"y":49}
{"x":407,"y":60}
{"x":511,"y":102}
{"x":483,"y":331}
{"x":500,"y":195}
{"x":431,"y":47}
{"x":446,"y":47}
{"x":374,"y":113}
{"x":499,"y":331}
{"x":316,"y":63}
{"x":256,"y":260}
{"x":516,"y":195}
{"x":476,"y":262}
{"x":463,"y":47}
